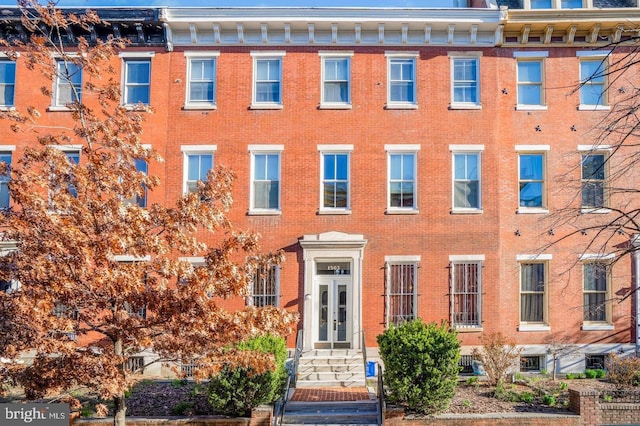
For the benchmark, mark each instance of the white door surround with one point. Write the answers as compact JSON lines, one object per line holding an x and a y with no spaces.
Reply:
{"x":326,"y":249}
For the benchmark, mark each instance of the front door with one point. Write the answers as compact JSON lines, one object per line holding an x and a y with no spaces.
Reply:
{"x":334,"y":312}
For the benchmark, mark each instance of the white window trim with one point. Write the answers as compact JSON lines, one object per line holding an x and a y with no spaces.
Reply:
{"x":464,"y":259}
{"x":132,"y":57}
{"x":591,"y":55}
{"x":267,"y":55}
{"x":453,"y":56}
{"x":56,"y":80}
{"x":413,"y":56}
{"x":201,"y":54}
{"x":329,"y":54}
{"x":335,"y":149}
{"x":466,"y":149}
{"x":194,"y":149}
{"x":261,"y":150}
{"x":129,"y":258}
{"x":544,"y":258}
{"x":5,"y":57}
{"x":534,"y":149}
{"x":607,"y":324}
{"x":533,"y":57}
{"x":403,"y":149}
{"x":402,"y":259}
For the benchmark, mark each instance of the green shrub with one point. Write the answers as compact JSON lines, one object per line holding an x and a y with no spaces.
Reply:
{"x":526,"y":397}
{"x":420,"y":365}
{"x":570,"y":376}
{"x":607,"y":398}
{"x":472,"y":380}
{"x":580,"y":376}
{"x":563,"y":386}
{"x":600,"y":373}
{"x":590,"y":374}
{"x":236,"y":390}
{"x":182,"y":408}
{"x":549,"y":399}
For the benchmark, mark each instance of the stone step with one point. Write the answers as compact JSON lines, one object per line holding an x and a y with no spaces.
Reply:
{"x":334,"y":412}
{"x":330,"y":383}
{"x":323,"y":376}
{"x":332,"y":368}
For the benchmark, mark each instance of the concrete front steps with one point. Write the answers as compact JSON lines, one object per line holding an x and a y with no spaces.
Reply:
{"x":331,"y":413}
{"x":331,"y":368}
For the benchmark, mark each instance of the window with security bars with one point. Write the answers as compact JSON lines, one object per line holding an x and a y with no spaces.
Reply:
{"x":595,"y":362}
{"x":401,"y":289}
{"x":265,"y":286}
{"x":466,"y":285}
{"x":530,"y":363}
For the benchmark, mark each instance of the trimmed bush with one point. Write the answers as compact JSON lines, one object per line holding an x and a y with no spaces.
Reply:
{"x":236,"y":390}
{"x":420,"y":365}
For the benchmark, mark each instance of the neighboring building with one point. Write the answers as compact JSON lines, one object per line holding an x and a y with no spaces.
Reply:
{"x":410,"y":162}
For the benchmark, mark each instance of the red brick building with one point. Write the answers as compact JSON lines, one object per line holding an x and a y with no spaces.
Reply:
{"x":410,"y":162}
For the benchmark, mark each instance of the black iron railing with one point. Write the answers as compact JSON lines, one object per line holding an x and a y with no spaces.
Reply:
{"x":380,"y":394}
{"x":281,"y":403}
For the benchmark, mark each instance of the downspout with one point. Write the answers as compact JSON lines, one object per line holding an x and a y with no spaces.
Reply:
{"x":635,"y":242}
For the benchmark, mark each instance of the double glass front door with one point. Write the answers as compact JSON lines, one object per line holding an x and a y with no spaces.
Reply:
{"x":334,"y":312}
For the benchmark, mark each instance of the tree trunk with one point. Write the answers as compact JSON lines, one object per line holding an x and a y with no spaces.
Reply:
{"x":119,"y":401}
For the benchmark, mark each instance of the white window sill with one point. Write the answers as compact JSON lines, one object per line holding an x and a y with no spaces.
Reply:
{"x":534,"y":327}
{"x":335,"y":211}
{"x":199,"y":106}
{"x":597,"y":327}
{"x":586,"y":210}
{"x":533,"y":210}
{"x":466,"y":211}
{"x":465,"y":106}
{"x":139,"y":108}
{"x":520,"y":107}
{"x":7,"y":108}
{"x":582,"y":107}
{"x":401,"y":106}
{"x":463,"y":329}
{"x":335,"y":106}
{"x":402,"y":211}
{"x":264,"y":212}
{"x":56,"y":108}
{"x":266,"y":106}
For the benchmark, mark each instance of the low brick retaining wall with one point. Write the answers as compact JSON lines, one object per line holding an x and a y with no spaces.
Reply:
{"x":396,"y":417}
{"x":594,"y":412}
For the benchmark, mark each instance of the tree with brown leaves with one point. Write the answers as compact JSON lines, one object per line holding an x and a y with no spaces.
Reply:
{"x":96,"y":275}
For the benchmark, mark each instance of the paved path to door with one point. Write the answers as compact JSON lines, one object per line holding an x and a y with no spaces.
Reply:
{"x":331,"y":394}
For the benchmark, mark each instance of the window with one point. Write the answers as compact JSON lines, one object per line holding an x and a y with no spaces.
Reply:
{"x":7,"y":286}
{"x":137,"y":81}
{"x":265,"y":287}
{"x":201,"y":86}
{"x":530,"y":81}
{"x":593,"y":82}
{"x":67,"y":84}
{"x":466,"y":181}
{"x":531,"y":363}
{"x":7,"y":83}
{"x":402,"y":179}
{"x":265,"y":185}
{"x":5,"y":178}
{"x":74,"y":158}
{"x":531,"y":180}
{"x":140,"y":199}
{"x":140,"y":312}
{"x":541,"y":4}
{"x":465,"y":87}
{"x":571,"y":4}
{"x":593,"y":181}
{"x":596,"y":288}
{"x":336,"y":85}
{"x":402,"y":81}
{"x":533,"y":288}
{"x":595,"y":362}
{"x":335,"y":180}
{"x":198,"y":160}
{"x":267,"y":79}
{"x":401,"y":290}
{"x":466,"y":292}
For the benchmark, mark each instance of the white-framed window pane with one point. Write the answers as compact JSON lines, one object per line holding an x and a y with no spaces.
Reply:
{"x":74,"y":158}
{"x":532,"y":292}
{"x":401,"y":80}
{"x":268,"y":80}
{"x":68,"y":83}
{"x":202,"y":80}
{"x":335,"y":180}
{"x":595,"y":291}
{"x":137,"y":82}
{"x":593,"y":180}
{"x":466,"y":293}
{"x":5,"y":157}
{"x":571,"y":4}
{"x":466,"y":186}
{"x":531,"y":180}
{"x":401,"y":293}
{"x":402,"y":180}
{"x":7,"y":82}
{"x":465,"y":80}
{"x":266,"y":185}
{"x":336,"y":80}
{"x":593,"y":79}
{"x":143,"y":167}
{"x":541,"y":4}
{"x":198,"y":165}
{"x":530,"y":82}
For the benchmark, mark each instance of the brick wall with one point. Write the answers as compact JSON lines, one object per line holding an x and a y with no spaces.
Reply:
{"x":592,"y":412}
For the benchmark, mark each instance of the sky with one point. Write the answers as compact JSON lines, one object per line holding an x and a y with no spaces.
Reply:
{"x":251,"y":3}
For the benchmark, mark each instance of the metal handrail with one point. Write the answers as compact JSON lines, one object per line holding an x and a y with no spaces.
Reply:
{"x":381,"y":402}
{"x":281,"y":403}
{"x":364,"y":354}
